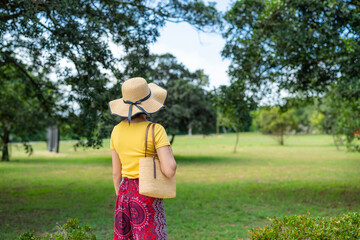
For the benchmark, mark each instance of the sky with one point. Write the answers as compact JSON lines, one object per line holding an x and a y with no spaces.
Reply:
{"x":196,"y":50}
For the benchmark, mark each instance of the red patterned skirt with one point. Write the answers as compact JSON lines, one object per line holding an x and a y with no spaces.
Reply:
{"x":138,"y":217}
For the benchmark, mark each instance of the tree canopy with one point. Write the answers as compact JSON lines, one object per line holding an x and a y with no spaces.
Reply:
{"x":235,"y":105}
{"x":301,"y":45}
{"x":306,"y":47}
{"x":88,"y":48}
{"x":188,"y":104}
{"x":21,"y":114}
{"x":275,"y":122}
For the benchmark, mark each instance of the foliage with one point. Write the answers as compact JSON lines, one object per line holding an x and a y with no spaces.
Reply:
{"x":305,"y":47}
{"x":188,"y":104}
{"x":21,"y":113}
{"x":316,"y":120}
{"x":334,"y":113}
{"x":73,"y":40}
{"x":71,"y":230}
{"x":309,"y":115}
{"x":303,"y":226}
{"x":28,"y":236}
{"x":341,"y":108}
{"x":275,"y":122}
{"x":222,"y":121}
{"x":254,"y":114}
{"x":235,"y":105}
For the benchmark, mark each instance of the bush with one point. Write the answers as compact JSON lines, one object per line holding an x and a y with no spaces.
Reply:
{"x":305,"y":227}
{"x":69,"y":231}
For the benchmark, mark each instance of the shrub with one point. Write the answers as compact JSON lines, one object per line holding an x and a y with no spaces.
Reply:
{"x":28,"y":236}
{"x":305,"y":227}
{"x":69,"y":231}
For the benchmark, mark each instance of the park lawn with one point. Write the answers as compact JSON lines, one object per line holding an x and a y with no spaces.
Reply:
{"x":220,"y":194}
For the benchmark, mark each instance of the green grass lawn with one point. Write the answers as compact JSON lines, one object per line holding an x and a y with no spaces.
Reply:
{"x":220,"y":194}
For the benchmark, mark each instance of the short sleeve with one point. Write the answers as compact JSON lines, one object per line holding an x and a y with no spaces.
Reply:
{"x":161,"y":138}
{"x":112,"y":147}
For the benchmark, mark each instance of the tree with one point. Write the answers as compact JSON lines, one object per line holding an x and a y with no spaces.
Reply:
{"x":233,"y":102}
{"x":188,"y":104}
{"x":274,"y":122}
{"x":305,"y":47}
{"x":21,"y":113}
{"x":319,"y":114}
{"x":308,"y":116}
{"x":301,"y":45}
{"x":342,"y":114}
{"x":80,"y":33}
{"x":222,"y":121}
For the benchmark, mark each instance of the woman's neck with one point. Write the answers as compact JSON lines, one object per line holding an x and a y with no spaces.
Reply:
{"x":139,"y":118}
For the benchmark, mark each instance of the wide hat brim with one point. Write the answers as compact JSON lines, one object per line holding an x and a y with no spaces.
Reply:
{"x":153,"y":104}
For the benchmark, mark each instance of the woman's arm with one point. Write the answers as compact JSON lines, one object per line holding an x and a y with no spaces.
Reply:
{"x":116,"y":166}
{"x":167,"y":161}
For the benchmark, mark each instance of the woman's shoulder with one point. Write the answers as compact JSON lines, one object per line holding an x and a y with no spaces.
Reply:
{"x":161,"y":136}
{"x":116,"y":127}
{"x":159,"y":126}
{"x":159,"y":129}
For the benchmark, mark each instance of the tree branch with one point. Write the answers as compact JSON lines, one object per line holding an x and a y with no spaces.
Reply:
{"x":6,"y":17}
{"x":37,"y":87}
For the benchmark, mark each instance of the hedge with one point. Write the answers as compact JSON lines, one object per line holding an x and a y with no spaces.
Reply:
{"x":346,"y":226}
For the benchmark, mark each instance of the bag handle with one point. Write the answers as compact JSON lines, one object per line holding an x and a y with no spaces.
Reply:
{"x":146,"y":136}
{"x":154,"y":150}
{"x":153,"y":139}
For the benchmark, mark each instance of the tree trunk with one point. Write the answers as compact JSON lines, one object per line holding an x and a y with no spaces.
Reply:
{"x":5,"y":150}
{"x":335,"y":142}
{"x":340,"y":140}
{"x":172,"y":138}
{"x":58,"y":140}
{"x":281,"y":138}
{"x":237,"y":139}
{"x":224,"y":129}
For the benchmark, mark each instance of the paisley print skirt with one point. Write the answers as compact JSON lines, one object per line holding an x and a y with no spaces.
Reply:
{"x":138,"y":217}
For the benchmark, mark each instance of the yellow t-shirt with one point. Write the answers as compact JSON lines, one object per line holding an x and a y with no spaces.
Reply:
{"x":129,"y":143}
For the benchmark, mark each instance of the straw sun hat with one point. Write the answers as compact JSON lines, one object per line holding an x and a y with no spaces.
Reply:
{"x":138,"y":97}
